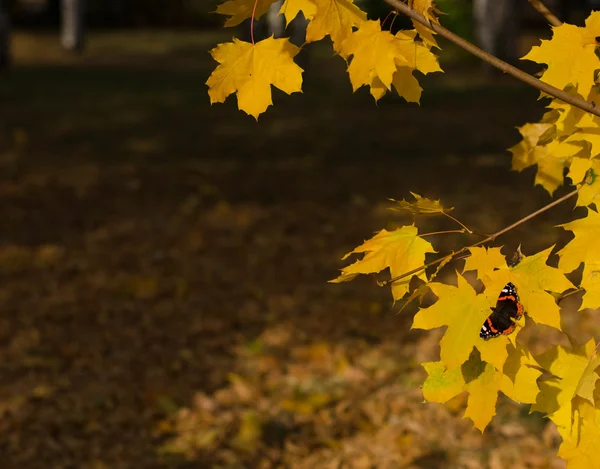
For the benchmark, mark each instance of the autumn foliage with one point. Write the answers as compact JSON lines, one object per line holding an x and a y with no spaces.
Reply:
{"x":562,"y":383}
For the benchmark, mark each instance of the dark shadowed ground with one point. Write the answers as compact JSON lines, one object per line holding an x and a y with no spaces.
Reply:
{"x":164,"y":263}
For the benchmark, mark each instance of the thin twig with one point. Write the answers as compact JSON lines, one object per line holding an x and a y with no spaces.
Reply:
{"x":486,"y":240}
{"x":546,"y":13}
{"x":444,"y":232}
{"x":452,"y":218}
{"x":496,"y":62}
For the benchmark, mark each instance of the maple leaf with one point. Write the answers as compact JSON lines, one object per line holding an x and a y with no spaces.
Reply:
{"x":574,"y":375}
{"x":580,"y":443}
{"x":483,"y":381}
{"x":249,"y":70}
{"x":417,"y":294}
{"x":290,"y":9}
{"x":425,"y":34}
{"x":375,"y":52}
{"x":425,"y":8}
{"x":586,"y":129}
{"x":441,"y":384}
{"x":421,"y":206}
{"x":485,"y":261}
{"x":463,"y":311}
{"x":570,"y":55}
{"x":416,"y":56}
{"x":567,"y":118}
{"x":521,"y":152}
{"x":241,"y":10}
{"x":584,"y":247}
{"x":533,"y":279}
{"x":551,"y":156}
{"x":401,"y":251}
{"x":589,"y":192}
{"x":551,"y":160}
{"x":334,"y":18}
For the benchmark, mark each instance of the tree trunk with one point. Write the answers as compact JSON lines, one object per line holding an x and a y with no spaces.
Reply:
{"x":497,"y":24}
{"x":4,"y":35}
{"x":72,"y":24}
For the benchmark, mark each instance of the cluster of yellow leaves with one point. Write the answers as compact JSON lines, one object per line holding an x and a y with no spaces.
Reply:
{"x":483,"y":368}
{"x":377,"y":58}
{"x":566,"y":137}
{"x":584,"y":248}
{"x":482,"y":381}
{"x":381,"y":60}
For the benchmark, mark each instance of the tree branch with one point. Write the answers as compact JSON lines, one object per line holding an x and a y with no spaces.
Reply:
{"x":501,"y":65}
{"x":543,"y":9}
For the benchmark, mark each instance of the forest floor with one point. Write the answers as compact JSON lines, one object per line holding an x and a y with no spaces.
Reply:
{"x":164,"y":264}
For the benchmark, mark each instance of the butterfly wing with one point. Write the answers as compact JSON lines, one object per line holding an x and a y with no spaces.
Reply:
{"x":502,"y":320}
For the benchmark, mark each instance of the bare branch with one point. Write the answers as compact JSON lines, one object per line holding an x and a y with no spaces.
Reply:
{"x":545,"y":12}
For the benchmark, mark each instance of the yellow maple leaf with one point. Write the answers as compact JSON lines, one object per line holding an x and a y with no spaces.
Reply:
{"x":401,"y":251}
{"x":241,"y":10}
{"x":485,"y":261}
{"x":249,"y":70}
{"x":533,"y":279}
{"x":483,"y":382}
{"x":570,"y":55}
{"x":464,"y":312}
{"x":425,"y":8}
{"x":441,"y":384}
{"x":425,"y":34}
{"x":584,"y":248}
{"x":574,"y":375}
{"x":551,"y":160}
{"x":521,"y":152}
{"x":589,"y":136}
{"x":421,"y":206}
{"x":416,"y":56}
{"x":520,"y":376}
{"x":589,"y":193}
{"x":417,"y":294}
{"x":290,"y":9}
{"x":334,"y":18}
{"x":551,"y":157}
{"x":376,"y":54}
{"x":586,"y":129}
{"x":567,"y":117}
{"x":580,"y":443}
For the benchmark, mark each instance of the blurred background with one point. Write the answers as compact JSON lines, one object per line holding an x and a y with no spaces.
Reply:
{"x":164,"y":262}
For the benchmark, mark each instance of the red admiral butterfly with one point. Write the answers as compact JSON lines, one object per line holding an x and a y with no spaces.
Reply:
{"x":507,"y":308}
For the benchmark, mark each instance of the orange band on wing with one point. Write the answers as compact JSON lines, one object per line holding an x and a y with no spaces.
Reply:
{"x":509,"y":330}
{"x":492,"y":328}
{"x":509,"y":297}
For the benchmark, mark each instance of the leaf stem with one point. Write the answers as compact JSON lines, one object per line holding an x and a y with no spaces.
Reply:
{"x":486,"y":240}
{"x":392,"y":12}
{"x":546,"y":13}
{"x":566,"y":295}
{"x":496,"y":62}
{"x":252,"y":21}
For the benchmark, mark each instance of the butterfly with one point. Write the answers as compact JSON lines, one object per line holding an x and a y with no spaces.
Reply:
{"x":508,"y":309}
